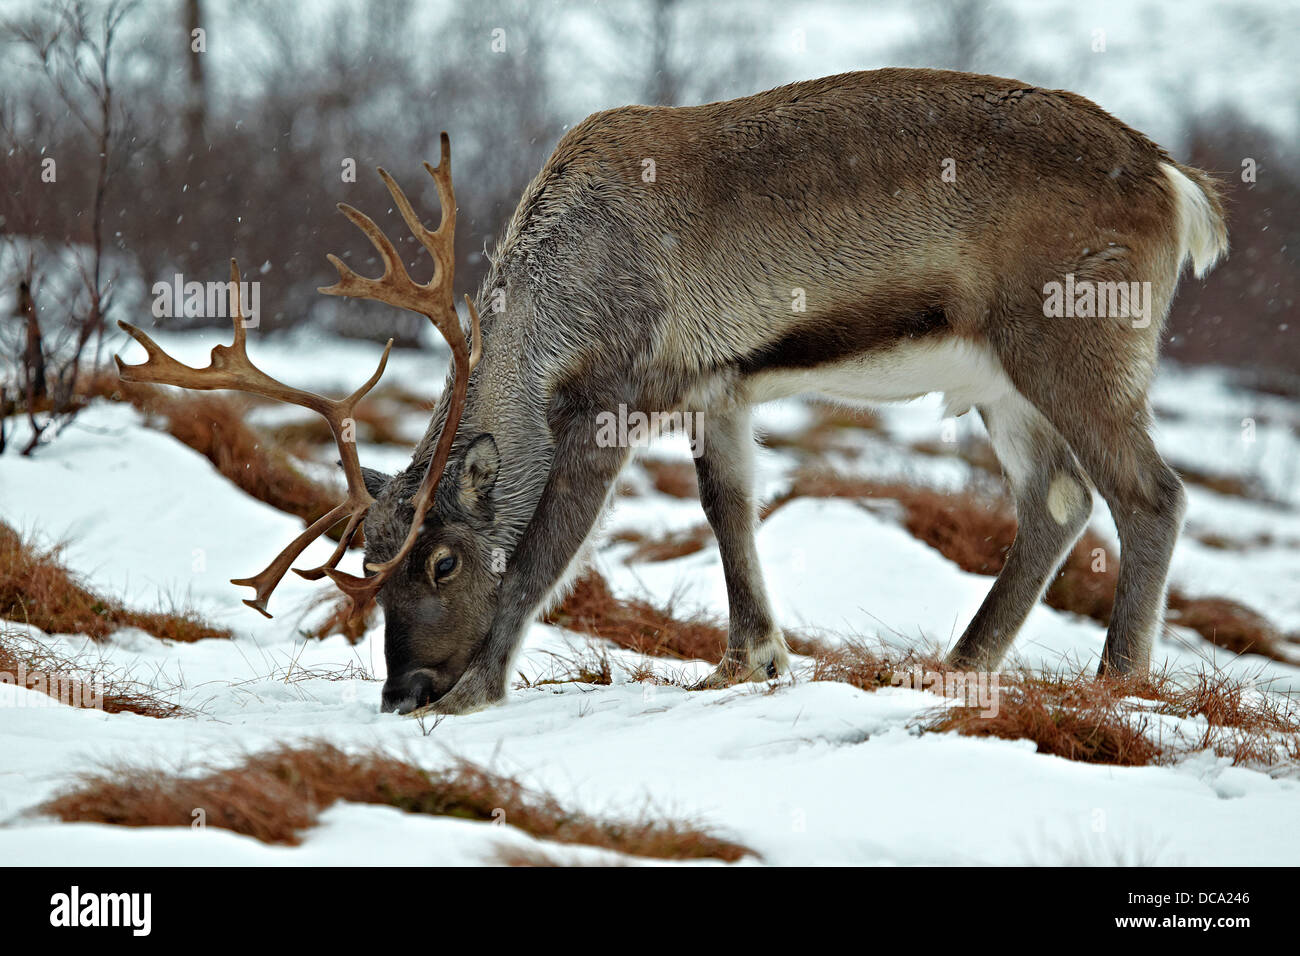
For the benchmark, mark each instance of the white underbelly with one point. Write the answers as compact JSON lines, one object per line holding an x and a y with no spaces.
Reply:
{"x":966,"y":372}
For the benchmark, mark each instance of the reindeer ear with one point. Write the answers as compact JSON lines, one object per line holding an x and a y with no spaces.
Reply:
{"x":374,"y":480}
{"x":478,"y":472}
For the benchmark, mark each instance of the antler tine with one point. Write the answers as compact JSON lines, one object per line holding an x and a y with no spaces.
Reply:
{"x":265,"y":581}
{"x":432,"y":240}
{"x":360,"y":589}
{"x":442,"y":179}
{"x":231,"y":368}
{"x":435,"y":241}
{"x":236,"y":299}
{"x":345,"y":542}
{"x":395,"y":286}
{"x":359,"y":286}
{"x":225,"y":364}
{"x":476,"y":351}
{"x":434,"y":300}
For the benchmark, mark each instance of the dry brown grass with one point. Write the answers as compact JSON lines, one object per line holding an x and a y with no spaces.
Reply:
{"x":591,"y":608}
{"x":36,"y":589}
{"x":980,"y":454}
{"x":868,"y":668}
{"x":339,"y":620}
{"x":1232,"y":485}
{"x":275,"y":796}
{"x":977,"y":453}
{"x":1079,"y":719}
{"x":373,"y":426}
{"x":592,"y":667}
{"x":1073,"y":716}
{"x":1230,"y":625}
{"x":214,"y":426}
{"x":975,"y":532}
{"x":1092,"y":720}
{"x":1248,"y":727}
{"x":1223,"y":542}
{"x":38,"y":667}
{"x":638,"y":625}
{"x":674,"y":478}
{"x":675,"y":544}
{"x":830,"y":426}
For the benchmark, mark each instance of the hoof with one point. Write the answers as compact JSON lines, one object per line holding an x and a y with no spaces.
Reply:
{"x":763,"y":664}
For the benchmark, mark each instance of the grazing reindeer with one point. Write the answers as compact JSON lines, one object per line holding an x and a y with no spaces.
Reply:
{"x":659,"y":261}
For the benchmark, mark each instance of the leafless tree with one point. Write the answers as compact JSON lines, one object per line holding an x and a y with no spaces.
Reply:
{"x":971,"y":35}
{"x":74,"y":50}
{"x":676,"y":52}
{"x":196,"y":102}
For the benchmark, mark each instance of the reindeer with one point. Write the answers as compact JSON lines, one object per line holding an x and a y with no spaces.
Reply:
{"x":658,"y":260}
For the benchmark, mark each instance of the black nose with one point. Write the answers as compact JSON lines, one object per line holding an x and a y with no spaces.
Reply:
{"x":407,"y":692}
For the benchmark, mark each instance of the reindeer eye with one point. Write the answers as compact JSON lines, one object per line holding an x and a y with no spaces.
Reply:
{"x":442,"y":563}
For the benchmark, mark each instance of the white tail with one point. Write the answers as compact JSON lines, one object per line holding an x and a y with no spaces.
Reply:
{"x":1202,"y":233}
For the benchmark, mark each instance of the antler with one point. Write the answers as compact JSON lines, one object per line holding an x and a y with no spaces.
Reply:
{"x":435,"y":301}
{"x":231,"y":368}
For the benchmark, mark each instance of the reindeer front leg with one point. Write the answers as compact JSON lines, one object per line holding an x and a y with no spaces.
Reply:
{"x":570,"y":505}
{"x":756,"y":648}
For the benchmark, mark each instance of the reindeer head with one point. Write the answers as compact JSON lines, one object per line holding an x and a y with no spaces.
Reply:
{"x":425,"y":558}
{"x":439,"y":604}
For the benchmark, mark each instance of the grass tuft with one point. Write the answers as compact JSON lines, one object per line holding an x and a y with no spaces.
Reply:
{"x":975,"y":531}
{"x":674,"y":544}
{"x":861,"y":666}
{"x":276,"y":796}
{"x":1079,"y":719}
{"x":1230,"y":625}
{"x":673,"y":478}
{"x":1122,"y":722}
{"x":591,"y":608}
{"x":36,"y":666}
{"x":36,"y":589}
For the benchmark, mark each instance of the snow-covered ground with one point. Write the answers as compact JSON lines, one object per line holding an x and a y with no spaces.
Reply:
{"x":811,"y":772}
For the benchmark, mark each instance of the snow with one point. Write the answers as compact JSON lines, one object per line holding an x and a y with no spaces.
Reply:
{"x":148,"y":520}
{"x":806,"y":772}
